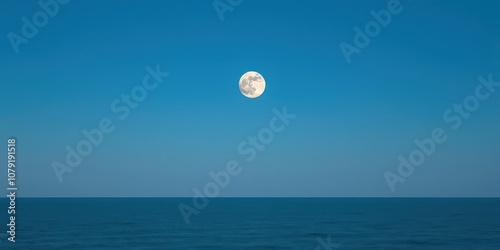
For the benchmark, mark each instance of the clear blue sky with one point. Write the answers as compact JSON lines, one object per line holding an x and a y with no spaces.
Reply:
{"x":353,"y":119}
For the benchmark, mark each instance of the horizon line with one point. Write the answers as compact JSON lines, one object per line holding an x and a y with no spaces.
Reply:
{"x":275,"y":197}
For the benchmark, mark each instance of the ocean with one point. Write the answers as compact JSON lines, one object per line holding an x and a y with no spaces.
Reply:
{"x":254,"y":223}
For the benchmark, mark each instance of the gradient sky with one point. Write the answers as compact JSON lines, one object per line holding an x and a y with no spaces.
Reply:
{"x":353,"y":119}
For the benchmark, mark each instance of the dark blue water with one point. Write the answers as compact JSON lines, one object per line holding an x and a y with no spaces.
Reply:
{"x":255,"y":223}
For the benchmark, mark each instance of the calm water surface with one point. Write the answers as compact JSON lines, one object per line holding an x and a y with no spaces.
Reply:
{"x":255,"y":223}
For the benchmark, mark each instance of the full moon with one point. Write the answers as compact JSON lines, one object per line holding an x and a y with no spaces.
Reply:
{"x":252,"y":84}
